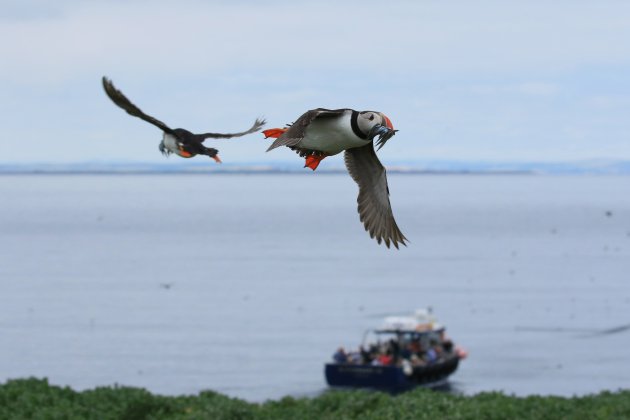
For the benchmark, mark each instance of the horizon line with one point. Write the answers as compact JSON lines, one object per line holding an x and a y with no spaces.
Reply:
{"x":590,"y":166}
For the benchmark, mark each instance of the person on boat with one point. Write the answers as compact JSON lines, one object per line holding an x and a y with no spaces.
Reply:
{"x":405,"y":353}
{"x":415,"y":347}
{"x":447,"y":343}
{"x":394,"y":349}
{"x":439,"y":349}
{"x":385,"y":359}
{"x":417,"y":360}
{"x":354,"y":357}
{"x":431,"y":355}
{"x":340,"y":356}
{"x":366,"y":356}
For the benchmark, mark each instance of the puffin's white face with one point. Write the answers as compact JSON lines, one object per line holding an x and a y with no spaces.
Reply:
{"x":368,"y":119}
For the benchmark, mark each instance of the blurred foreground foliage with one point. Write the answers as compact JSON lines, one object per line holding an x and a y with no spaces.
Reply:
{"x":37,"y":399}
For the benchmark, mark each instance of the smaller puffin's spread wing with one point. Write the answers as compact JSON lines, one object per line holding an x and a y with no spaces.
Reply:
{"x":375,"y":210}
{"x":121,"y":100}
{"x":258,"y":124}
{"x":296,"y":132}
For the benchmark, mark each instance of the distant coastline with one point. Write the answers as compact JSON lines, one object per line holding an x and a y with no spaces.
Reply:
{"x":436,"y":167}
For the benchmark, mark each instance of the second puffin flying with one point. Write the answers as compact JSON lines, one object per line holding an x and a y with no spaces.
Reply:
{"x":321,"y":132}
{"x":175,"y":140}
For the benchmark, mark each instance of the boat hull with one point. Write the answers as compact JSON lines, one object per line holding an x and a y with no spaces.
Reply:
{"x":391,"y":378}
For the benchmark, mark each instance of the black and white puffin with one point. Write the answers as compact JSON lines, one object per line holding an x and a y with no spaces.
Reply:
{"x":175,"y":140}
{"x":321,"y":132}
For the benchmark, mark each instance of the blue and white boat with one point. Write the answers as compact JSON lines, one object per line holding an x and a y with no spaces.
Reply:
{"x":409,"y":351}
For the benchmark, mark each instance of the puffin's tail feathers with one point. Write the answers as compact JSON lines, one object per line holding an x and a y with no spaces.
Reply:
{"x":274,"y":132}
{"x":282,"y":141}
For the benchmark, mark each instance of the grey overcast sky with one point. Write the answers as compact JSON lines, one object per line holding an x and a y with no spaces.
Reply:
{"x":462,"y":80}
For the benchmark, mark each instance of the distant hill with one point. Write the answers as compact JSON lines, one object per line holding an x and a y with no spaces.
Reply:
{"x":620,"y":167}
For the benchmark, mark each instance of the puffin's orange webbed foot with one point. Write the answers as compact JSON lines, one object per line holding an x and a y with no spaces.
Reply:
{"x":313,"y":161}
{"x":274,"y":132}
{"x":184,"y":153}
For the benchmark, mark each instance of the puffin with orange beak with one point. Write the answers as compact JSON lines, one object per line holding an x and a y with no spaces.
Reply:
{"x":175,"y":140}
{"x":321,"y":132}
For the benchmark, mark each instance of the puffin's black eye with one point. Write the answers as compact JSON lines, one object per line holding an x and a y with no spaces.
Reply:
{"x":371,"y":117}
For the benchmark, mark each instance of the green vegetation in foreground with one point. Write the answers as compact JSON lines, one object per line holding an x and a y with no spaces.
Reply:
{"x":36,"y":399}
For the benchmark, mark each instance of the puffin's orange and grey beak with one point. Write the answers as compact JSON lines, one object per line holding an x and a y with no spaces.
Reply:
{"x":388,"y":122}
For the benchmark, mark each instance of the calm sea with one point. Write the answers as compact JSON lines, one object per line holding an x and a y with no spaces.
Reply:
{"x":246,"y":284}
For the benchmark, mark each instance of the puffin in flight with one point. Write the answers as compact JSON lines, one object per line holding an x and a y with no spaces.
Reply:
{"x":175,"y":140}
{"x":321,"y":132}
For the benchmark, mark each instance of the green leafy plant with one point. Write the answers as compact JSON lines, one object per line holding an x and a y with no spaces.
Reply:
{"x":37,"y":399}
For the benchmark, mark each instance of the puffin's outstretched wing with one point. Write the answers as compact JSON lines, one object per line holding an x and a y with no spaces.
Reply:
{"x":295,"y":133}
{"x":375,"y":210}
{"x":122,"y":101}
{"x":258,"y":124}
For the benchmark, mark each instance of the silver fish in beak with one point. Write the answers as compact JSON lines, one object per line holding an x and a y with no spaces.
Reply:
{"x":384,"y":133}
